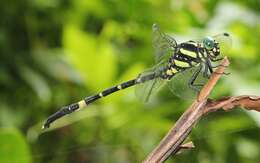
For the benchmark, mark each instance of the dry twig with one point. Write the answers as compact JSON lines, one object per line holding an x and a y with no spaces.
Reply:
{"x":172,"y":142}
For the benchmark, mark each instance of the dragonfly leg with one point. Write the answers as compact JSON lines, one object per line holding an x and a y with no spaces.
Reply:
{"x":220,"y":65}
{"x":205,"y":73}
{"x":224,"y":73}
{"x":215,"y":60}
{"x":193,"y":78}
{"x":218,"y":59}
{"x":210,"y":67}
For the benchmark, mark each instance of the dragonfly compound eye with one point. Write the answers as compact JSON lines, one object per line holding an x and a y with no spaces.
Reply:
{"x":208,"y":43}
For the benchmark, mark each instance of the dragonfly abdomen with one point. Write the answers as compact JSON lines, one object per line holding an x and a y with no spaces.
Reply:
{"x":88,"y":100}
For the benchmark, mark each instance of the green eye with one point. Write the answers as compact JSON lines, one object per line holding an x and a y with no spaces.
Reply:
{"x":208,"y":43}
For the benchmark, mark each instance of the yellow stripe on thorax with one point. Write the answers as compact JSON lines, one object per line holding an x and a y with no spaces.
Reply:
{"x":188,"y":53}
{"x":181,"y":63}
{"x":192,"y":43}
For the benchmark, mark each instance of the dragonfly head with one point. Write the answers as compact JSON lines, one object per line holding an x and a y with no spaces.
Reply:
{"x":211,"y":46}
{"x":218,"y":44}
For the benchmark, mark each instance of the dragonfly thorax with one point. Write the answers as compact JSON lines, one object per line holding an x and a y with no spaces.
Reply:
{"x":185,"y":56}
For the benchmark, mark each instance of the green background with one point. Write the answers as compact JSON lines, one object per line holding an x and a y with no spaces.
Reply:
{"x":55,"y":52}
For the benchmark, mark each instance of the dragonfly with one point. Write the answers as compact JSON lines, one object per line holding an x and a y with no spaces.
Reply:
{"x":190,"y":59}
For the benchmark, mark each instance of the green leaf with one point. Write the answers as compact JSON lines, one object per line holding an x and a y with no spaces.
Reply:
{"x":37,"y":82}
{"x":93,"y":57}
{"x":13,"y":147}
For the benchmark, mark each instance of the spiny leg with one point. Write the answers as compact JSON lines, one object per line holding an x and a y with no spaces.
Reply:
{"x":224,"y":73}
{"x":205,"y":73}
{"x":208,"y":63}
{"x":193,"y":79}
{"x":220,"y":65}
{"x":218,"y":59}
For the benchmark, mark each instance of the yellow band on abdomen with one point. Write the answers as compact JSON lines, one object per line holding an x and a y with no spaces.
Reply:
{"x":82,"y":104}
{"x":174,"y":71}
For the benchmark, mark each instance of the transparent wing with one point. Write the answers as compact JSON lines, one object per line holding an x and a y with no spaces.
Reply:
{"x":224,"y":40}
{"x":145,"y":91}
{"x":179,"y":84}
{"x":163,"y":44}
{"x":147,"y":88}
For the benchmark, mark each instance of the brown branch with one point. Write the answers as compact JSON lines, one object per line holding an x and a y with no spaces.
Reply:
{"x":229,"y":103}
{"x":186,"y":146}
{"x":172,"y":142}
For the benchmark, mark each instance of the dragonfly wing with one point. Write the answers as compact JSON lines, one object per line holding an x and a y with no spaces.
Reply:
{"x":180,"y":83}
{"x":163,"y":44}
{"x":225,"y":42}
{"x":144,"y":91}
{"x":149,"y":83}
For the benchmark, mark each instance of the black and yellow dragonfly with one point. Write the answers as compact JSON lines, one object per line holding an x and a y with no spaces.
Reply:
{"x":172,"y":60}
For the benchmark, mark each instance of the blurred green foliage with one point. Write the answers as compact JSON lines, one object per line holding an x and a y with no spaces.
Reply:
{"x":55,"y":52}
